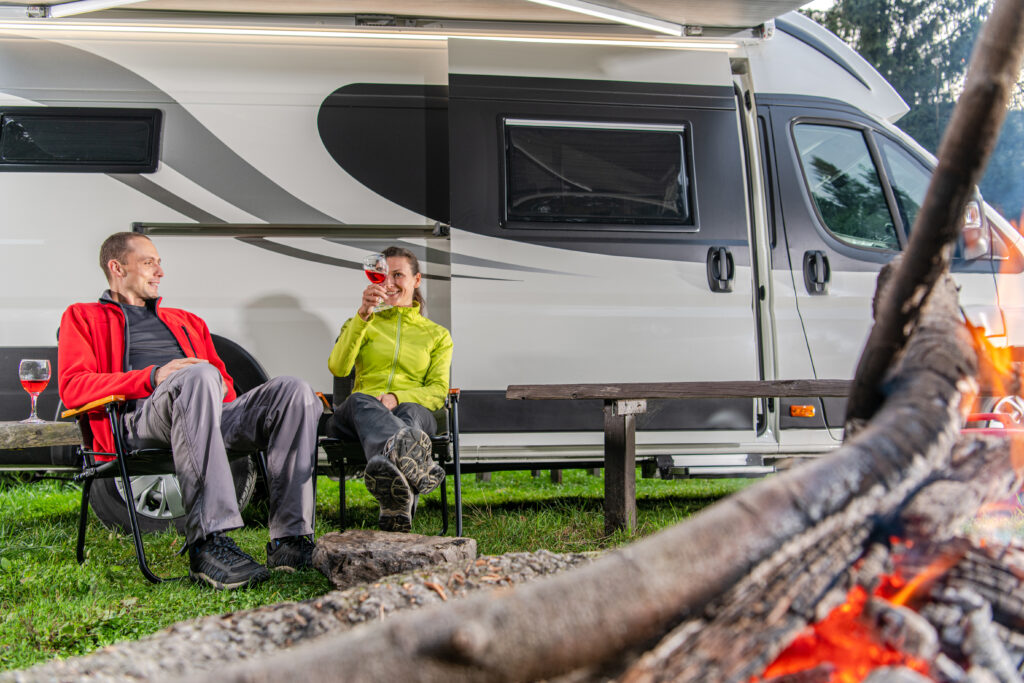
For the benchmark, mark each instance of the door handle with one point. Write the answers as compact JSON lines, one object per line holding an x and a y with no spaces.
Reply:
{"x":721,"y":269}
{"x":817,"y":273}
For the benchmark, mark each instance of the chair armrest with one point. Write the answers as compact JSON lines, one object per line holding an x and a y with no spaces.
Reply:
{"x":98,"y":403}
{"x":327,"y":404}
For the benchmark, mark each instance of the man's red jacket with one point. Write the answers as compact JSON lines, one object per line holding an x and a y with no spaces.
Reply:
{"x":92,"y":354}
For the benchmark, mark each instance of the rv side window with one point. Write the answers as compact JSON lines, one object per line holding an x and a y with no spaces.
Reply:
{"x":590,"y":173}
{"x":845,"y":185}
{"x":79,"y":139}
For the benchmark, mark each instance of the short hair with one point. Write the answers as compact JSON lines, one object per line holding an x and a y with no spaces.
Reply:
{"x":117,"y":247}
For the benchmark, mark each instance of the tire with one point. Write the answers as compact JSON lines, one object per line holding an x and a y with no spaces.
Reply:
{"x":1009,"y":405}
{"x":158,"y":503}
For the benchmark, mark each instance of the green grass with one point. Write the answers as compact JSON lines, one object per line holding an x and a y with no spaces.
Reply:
{"x":50,"y":606}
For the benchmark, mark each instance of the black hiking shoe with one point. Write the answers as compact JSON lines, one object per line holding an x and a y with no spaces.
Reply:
{"x":222,"y":565}
{"x":289,"y":554}
{"x":410,"y":450}
{"x":385,"y":482}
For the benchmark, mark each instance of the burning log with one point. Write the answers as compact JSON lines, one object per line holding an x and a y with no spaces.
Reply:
{"x":963,"y":154}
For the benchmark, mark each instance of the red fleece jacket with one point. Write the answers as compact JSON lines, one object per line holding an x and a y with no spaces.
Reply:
{"x":92,"y":353}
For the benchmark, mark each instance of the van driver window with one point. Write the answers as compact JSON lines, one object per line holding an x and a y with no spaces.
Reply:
{"x":845,"y":185}
{"x":569,"y":172}
{"x":909,"y":179}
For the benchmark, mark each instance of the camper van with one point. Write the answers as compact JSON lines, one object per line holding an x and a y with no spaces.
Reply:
{"x":589,"y":204}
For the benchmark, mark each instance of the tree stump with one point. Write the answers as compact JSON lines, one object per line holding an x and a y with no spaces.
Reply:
{"x":363,"y":555}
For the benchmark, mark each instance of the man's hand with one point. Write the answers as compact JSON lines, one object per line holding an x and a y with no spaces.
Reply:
{"x":166,"y":371}
{"x":372,"y":295}
{"x":390,"y":401}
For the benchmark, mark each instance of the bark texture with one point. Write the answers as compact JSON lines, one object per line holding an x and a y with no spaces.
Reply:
{"x":963,"y":154}
{"x":189,"y":648}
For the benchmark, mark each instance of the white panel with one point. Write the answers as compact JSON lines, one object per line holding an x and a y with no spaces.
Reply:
{"x":588,"y":62}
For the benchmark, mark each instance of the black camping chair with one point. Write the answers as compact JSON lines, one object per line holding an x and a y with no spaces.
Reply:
{"x":124,"y":463}
{"x":341,"y":454}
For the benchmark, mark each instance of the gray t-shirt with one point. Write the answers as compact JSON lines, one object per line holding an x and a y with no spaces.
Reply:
{"x":149,"y":340}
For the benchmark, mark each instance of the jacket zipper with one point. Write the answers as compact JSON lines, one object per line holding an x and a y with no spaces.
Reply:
{"x":189,"y":338}
{"x":394,"y":361}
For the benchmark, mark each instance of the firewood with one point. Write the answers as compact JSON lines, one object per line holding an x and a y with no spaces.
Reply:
{"x":963,"y":153}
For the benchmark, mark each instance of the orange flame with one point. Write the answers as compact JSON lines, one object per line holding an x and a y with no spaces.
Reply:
{"x":843,"y":640}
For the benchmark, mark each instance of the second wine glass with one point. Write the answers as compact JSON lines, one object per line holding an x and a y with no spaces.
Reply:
{"x":376,"y":268}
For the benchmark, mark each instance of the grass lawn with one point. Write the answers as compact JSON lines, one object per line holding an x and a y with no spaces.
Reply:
{"x":51,"y":606}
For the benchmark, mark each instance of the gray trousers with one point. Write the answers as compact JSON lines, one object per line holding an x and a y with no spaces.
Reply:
{"x":187,"y":413}
{"x":364,"y":418}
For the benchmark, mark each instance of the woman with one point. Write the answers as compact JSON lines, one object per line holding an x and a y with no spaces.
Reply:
{"x":402,"y":362}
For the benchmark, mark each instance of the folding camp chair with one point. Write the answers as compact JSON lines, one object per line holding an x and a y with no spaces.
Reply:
{"x":124,"y":463}
{"x":445,"y":449}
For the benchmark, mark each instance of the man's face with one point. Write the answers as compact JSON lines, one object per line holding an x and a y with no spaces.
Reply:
{"x":137,"y":278}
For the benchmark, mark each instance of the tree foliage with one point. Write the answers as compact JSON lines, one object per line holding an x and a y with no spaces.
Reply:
{"x":922,"y":47}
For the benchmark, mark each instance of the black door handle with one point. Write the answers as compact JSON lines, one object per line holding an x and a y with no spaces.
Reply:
{"x":817,"y":272}
{"x":721,"y":269}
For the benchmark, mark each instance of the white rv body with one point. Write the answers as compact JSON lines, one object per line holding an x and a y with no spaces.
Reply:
{"x":281,"y":225}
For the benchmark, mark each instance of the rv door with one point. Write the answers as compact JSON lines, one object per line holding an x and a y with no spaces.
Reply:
{"x":600,"y":234}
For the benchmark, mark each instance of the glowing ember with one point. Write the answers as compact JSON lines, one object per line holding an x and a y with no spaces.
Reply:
{"x":843,"y":640}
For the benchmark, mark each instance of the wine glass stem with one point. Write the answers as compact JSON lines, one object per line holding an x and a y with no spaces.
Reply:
{"x":34,"y":397}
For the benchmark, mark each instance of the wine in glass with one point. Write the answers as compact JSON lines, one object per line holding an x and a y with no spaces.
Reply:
{"x":34,"y":376}
{"x":376,"y":268}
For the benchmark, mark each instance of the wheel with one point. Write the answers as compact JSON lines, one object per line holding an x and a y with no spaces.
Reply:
{"x":158,"y":503}
{"x":1008,"y":405}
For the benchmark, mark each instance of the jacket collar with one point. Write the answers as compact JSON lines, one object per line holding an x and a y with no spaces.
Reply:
{"x":406,"y":311}
{"x":108,"y":298}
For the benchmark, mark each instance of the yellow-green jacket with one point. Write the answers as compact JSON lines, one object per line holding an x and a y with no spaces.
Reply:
{"x":396,"y":351}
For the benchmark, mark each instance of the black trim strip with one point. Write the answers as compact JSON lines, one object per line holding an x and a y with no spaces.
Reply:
{"x":165,"y":197}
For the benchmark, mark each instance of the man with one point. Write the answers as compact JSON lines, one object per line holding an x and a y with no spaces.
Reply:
{"x":163,"y":360}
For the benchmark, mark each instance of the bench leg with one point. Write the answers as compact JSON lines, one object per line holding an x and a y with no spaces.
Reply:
{"x":619,"y":470}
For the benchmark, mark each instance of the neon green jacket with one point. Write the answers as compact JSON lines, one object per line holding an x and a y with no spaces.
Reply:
{"x":396,"y":351}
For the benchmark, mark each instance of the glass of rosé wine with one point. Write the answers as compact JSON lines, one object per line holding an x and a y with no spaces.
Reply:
{"x":34,"y":376}
{"x":376,"y":268}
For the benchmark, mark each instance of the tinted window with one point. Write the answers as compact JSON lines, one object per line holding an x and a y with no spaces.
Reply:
{"x":908,"y":177}
{"x":845,"y":185}
{"x":587,"y":173}
{"x":55,"y":139}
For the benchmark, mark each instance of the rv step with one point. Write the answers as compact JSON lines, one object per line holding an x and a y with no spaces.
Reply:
{"x":717,"y":471}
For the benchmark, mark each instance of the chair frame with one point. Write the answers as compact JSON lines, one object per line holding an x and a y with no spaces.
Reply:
{"x":123,"y":464}
{"x":444,"y":447}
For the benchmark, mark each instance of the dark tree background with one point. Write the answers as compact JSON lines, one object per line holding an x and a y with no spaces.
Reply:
{"x":922,"y":48}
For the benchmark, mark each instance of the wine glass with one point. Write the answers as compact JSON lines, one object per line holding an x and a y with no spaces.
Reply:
{"x":34,"y":376}
{"x":376,"y":268}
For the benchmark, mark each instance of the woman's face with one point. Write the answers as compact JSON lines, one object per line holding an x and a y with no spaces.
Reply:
{"x":401,"y":283}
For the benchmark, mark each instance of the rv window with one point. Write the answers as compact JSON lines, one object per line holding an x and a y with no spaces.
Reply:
{"x":77,"y":139}
{"x":845,"y":185}
{"x":909,"y":179}
{"x":597,"y":173}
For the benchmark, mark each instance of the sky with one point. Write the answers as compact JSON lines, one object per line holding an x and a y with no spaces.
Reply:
{"x":820,"y":4}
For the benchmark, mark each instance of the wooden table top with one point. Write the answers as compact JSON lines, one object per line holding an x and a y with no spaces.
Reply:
{"x":14,"y":435}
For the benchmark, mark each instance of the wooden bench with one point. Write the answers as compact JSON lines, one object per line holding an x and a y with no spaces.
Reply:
{"x":623,"y":402}
{"x":16,"y":437}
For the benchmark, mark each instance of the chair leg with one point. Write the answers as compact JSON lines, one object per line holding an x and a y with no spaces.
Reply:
{"x":82,"y":521}
{"x":444,"y":507}
{"x":342,"y":517}
{"x":457,"y":484}
{"x":129,"y":501}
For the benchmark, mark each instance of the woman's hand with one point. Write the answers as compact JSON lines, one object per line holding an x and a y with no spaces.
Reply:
{"x":372,"y":295}
{"x":390,"y":401}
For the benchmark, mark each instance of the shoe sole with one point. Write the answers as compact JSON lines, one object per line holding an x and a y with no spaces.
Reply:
{"x":411,"y":453}
{"x":201,"y":578}
{"x":386,"y":483}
